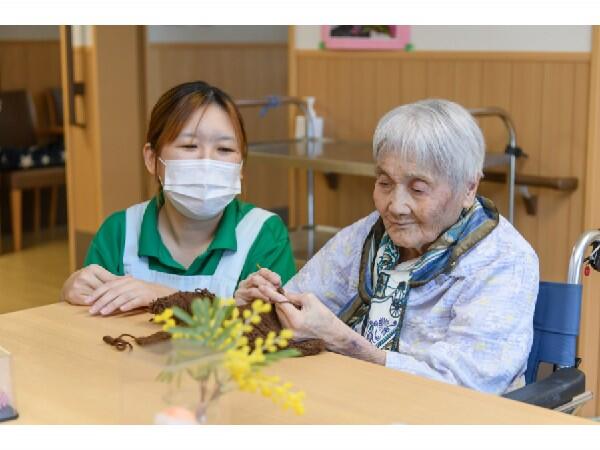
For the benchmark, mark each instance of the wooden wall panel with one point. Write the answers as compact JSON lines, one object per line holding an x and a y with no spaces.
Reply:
{"x":495,"y":91}
{"x":555,"y":155}
{"x":589,"y":340}
{"x":545,"y":93}
{"x":576,"y":224}
{"x":440,"y":79}
{"x":578,"y":145}
{"x":467,"y":82}
{"x":84,"y":160}
{"x":526,"y":102}
{"x":104,"y":163}
{"x":388,"y":86}
{"x":413,"y":78}
{"x":31,"y":65}
{"x":120,"y":72}
{"x":243,"y":71}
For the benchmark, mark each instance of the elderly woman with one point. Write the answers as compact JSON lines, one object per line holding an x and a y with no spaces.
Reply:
{"x":435,"y":282}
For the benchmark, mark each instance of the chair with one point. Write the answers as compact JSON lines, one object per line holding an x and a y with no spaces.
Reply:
{"x":24,"y":163}
{"x":17,"y":119}
{"x":556,"y":327}
{"x":55,"y":107}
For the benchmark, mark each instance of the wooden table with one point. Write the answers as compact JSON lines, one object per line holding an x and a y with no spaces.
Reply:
{"x":65,"y":374}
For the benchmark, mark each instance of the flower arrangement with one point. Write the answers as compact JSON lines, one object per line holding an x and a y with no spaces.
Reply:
{"x":212,"y":348}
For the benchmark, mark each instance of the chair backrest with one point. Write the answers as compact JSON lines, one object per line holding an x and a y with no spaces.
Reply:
{"x":17,"y":119}
{"x":556,"y":327}
{"x":55,"y":106}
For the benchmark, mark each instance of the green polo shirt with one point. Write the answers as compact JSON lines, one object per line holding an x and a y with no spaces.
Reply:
{"x":271,"y":248}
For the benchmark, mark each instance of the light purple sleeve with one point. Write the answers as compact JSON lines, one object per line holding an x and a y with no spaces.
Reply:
{"x":490,"y":331}
{"x":332,"y":274}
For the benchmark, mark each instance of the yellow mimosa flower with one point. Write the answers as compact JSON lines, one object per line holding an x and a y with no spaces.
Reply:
{"x":164,"y":316}
{"x":255,"y":320}
{"x":286,"y":334}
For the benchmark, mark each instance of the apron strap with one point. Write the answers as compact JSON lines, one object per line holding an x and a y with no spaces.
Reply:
{"x":223,"y":282}
{"x":246,"y":232}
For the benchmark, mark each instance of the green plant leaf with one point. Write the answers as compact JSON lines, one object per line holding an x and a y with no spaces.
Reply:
{"x":229,"y":328}
{"x":202,"y":372}
{"x":183,"y":316}
{"x":226,"y":334}
{"x":183,"y":330}
{"x":281,"y":354}
{"x":221,"y":314}
{"x":201,"y":309}
{"x":165,"y":377}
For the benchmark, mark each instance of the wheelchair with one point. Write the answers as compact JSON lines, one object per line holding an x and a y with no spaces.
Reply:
{"x":556,"y":327}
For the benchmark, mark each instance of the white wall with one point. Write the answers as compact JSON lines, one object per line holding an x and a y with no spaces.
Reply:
{"x":483,"y":38}
{"x":535,"y":38}
{"x":217,"y":33}
{"x":82,"y":34}
{"x":29,"y":32}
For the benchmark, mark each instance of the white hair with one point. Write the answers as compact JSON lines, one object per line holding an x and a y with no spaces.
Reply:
{"x":439,"y":136}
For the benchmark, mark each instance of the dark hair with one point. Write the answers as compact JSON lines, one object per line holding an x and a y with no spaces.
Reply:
{"x":174,"y":108}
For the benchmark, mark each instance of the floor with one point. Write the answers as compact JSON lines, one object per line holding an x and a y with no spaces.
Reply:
{"x":33,"y":276}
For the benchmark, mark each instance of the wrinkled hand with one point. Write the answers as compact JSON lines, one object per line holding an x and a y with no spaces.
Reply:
{"x":309,"y":318}
{"x":125,"y":294}
{"x":81,"y":284}
{"x":306,"y":316}
{"x":249,"y":289}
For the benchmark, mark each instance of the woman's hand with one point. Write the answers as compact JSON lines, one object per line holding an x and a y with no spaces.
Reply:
{"x":309,"y":318}
{"x":249,"y":289}
{"x":125,"y":294}
{"x":81,"y":284}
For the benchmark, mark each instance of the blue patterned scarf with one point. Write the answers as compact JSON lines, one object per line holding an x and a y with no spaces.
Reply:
{"x":440,"y":257}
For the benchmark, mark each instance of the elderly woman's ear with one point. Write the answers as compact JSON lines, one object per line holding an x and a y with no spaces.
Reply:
{"x":470,"y":194}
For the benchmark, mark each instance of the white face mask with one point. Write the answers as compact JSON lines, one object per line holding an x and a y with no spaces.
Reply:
{"x":200,"y":189}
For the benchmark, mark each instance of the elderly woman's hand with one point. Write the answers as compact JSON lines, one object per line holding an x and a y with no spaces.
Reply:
{"x":249,"y":289}
{"x":309,"y":318}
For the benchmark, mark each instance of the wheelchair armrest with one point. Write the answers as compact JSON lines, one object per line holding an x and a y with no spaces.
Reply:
{"x":551,"y":392}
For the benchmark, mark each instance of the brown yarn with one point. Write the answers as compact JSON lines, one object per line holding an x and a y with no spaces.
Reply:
{"x":179,"y":299}
{"x":155,"y":338}
{"x":120,"y":343}
{"x":269,"y":322}
{"x":157,"y":307}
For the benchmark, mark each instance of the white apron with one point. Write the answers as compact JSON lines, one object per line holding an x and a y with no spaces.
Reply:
{"x":222,"y":282}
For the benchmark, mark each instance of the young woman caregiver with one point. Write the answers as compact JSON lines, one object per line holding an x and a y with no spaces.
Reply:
{"x":194,"y":233}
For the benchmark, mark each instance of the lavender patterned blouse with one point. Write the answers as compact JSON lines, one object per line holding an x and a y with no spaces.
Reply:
{"x":472,"y":327}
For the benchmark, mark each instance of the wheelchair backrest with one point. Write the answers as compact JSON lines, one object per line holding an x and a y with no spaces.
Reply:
{"x":556,"y":327}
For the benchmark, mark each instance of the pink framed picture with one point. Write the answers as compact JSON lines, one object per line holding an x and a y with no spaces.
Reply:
{"x":376,"y":37}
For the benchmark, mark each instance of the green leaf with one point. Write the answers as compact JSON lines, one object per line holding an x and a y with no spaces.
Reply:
{"x":281,"y":354}
{"x":221,"y":314}
{"x":165,"y":377}
{"x":201,"y":309}
{"x":200,"y":373}
{"x":229,"y":327}
{"x":222,"y":339}
{"x":200,"y":331}
{"x":183,"y":316}
{"x":184,"y":330}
